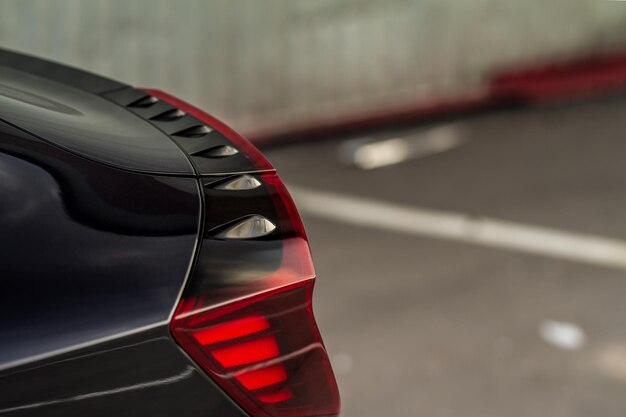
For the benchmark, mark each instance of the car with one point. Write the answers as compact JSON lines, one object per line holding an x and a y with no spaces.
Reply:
{"x":152,"y":261}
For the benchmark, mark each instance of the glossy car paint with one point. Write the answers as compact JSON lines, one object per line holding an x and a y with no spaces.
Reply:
{"x":87,"y":124}
{"x":139,"y":375}
{"x":101,"y":236}
{"x":88,"y":251}
{"x":91,"y":255}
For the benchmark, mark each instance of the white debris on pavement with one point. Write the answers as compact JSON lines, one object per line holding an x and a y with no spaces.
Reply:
{"x":562,"y":334}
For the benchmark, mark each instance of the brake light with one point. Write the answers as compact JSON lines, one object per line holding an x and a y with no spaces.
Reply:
{"x":249,"y":326}
{"x":265,"y":351}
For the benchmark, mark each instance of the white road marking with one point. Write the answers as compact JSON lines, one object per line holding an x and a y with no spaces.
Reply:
{"x":562,"y":334}
{"x":387,"y":152}
{"x":585,"y":248}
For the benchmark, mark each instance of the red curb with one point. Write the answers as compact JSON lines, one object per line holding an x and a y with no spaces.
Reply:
{"x":579,"y":78}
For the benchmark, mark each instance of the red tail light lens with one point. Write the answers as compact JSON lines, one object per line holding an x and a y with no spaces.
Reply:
{"x":266,"y":351}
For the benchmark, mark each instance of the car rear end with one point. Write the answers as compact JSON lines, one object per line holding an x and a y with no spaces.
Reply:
{"x":237,"y":338}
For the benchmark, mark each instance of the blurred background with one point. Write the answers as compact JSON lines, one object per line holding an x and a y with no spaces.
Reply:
{"x":459,"y":166}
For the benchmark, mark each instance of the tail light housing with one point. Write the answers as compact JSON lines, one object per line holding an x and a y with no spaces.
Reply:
{"x":265,"y":351}
{"x":246,"y":315}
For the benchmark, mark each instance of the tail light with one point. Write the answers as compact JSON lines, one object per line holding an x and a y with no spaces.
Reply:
{"x":246,"y":316}
{"x":264,"y":350}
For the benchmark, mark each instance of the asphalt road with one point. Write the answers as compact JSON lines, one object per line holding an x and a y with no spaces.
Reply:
{"x":420,"y":325}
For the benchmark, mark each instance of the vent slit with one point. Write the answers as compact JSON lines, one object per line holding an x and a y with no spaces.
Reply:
{"x":146,"y":101}
{"x":194,"y":132}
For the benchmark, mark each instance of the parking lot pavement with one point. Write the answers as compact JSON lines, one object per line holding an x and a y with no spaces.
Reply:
{"x":420,"y":324}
